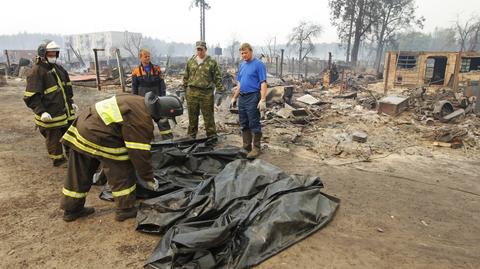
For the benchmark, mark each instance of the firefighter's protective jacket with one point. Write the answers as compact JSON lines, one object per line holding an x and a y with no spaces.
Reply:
{"x":49,"y":90}
{"x":119,"y":128}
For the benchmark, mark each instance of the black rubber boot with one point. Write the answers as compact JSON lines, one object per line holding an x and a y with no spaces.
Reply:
{"x":73,"y":215}
{"x":127,"y":213}
{"x":247,"y":140}
{"x":256,"y":146}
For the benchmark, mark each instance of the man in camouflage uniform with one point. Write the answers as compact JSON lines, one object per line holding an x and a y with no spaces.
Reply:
{"x":202,"y":76}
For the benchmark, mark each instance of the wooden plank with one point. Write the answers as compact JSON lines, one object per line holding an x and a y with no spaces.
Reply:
{"x":385,"y":87}
{"x":120,"y":69}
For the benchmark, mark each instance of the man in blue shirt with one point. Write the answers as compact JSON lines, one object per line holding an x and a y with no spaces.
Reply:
{"x":251,"y":94}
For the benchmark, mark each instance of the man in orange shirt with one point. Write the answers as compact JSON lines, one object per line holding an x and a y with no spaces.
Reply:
{"x":147,"y":77}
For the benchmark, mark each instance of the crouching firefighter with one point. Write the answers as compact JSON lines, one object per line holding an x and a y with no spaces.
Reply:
{"x":115,"y":133}
{"x":49,"y":94}
{"x":148,"y":77}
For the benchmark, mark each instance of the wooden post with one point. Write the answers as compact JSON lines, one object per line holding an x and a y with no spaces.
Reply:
{"x":458,"y":63}
{"x":293,"y":66}
{"x":3,"y":80}
{"x":276,"y":66}
{"x":97,"y":68}
{"x":8,"y":61}
{"x":344,"y":81}
{"x":281,"y":62}
{"x":306,"y":68}
{"x":167,"y":65}
{"x":120,"y":69}
{"x":329,"y":61}
{"x":387,"y":71}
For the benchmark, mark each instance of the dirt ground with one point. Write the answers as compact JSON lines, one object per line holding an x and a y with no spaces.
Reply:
{"x":415,"y":207}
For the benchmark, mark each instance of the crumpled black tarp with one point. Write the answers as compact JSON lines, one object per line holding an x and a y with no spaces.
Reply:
{"x":247,"y":213}
{"x":183,"y":164}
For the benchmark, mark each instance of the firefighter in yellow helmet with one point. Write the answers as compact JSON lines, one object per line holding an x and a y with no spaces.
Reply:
{"x":49,"y":94}
{"x":116,"y":133}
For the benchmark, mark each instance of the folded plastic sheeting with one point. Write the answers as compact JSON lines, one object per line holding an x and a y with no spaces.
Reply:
{"x":248,"y":212}
{"x":182,"y":164}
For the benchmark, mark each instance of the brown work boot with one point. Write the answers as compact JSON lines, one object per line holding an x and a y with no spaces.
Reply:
{"x":127,"y":213}
{"x":58,"y":162}
{"x":73,"y":215}
{"x":256,"y":146}
{"x":247,"y":139}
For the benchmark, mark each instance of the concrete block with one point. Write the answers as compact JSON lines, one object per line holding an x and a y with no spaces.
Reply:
{"x":360,"y":137}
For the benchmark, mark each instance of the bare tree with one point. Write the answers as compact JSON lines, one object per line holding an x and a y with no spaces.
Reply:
{"x":392,"y":17}
{"x":343,"y":18}
{"x":475,"y":37}
{"x":270,"y":48}
{"x":468,"y":33}
{"x":302,"y":37}
{"x":132,"y":43}
{"x":353,"y":18}
{"x":232,"y":48}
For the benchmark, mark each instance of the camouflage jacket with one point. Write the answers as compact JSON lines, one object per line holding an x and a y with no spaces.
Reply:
{"x":206,"y":75}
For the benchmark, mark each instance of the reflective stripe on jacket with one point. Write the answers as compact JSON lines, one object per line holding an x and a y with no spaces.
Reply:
{"x":119,"y":128}
{"x":49,"y":90}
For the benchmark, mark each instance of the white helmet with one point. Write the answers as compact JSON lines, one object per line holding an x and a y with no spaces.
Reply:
{"x":52,"y":46}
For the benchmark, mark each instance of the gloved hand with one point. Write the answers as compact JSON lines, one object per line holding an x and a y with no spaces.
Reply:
{"x":262,"y":105}
{"x":46,"y":117}
{"x":75,"y":108}
{"x":233,"y":102}
{"x":153,"y":184}
{"x":181,"y":94}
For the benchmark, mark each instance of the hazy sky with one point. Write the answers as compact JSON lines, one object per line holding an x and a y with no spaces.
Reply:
{"x":253,"y":21}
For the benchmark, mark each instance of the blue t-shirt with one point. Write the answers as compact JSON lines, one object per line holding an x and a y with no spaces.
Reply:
{"x":251,"y":75}
{"x":147,"y":70}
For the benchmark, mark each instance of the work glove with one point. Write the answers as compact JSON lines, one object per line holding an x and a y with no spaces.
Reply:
{"x":153,"y":184}
{"x":181,"y":94}
{"x":233,"y":102}
{"x":262,"y":105}
{"x":46,"y":117}
{"x":75,"y":108}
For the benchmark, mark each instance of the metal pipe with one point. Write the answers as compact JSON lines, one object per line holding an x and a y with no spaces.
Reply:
{"x":8,"y":61}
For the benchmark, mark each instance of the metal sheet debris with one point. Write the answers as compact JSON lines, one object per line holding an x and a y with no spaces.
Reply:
{"x":393,"y":105}
{"x":308,"y":99}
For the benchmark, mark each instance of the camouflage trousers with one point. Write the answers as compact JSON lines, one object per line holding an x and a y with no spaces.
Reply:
{"x":200,"y":100}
